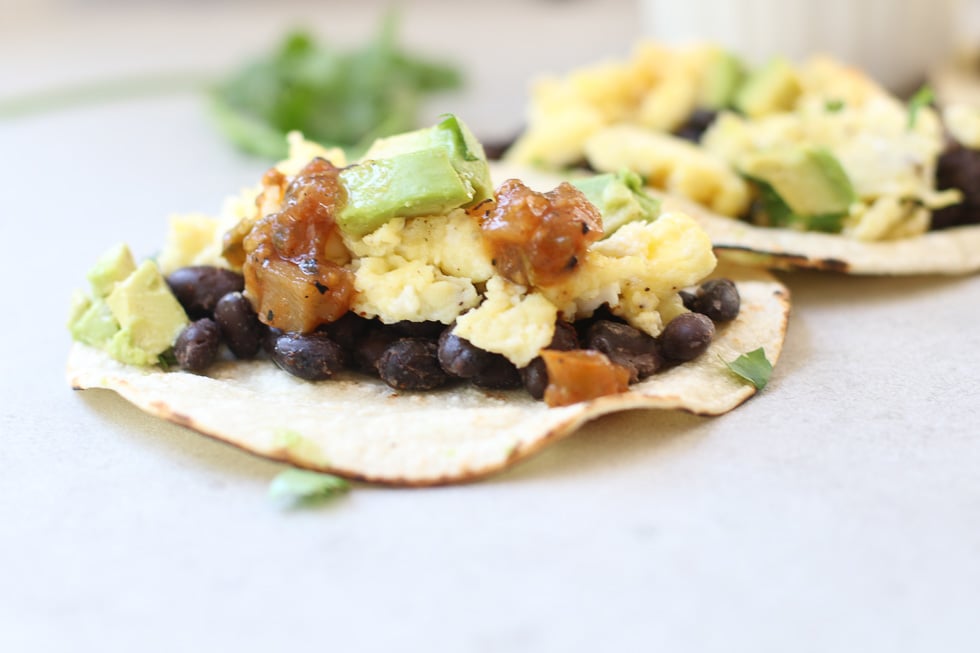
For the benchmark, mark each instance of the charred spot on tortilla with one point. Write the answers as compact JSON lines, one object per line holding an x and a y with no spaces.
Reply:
{"x":785,"y":260}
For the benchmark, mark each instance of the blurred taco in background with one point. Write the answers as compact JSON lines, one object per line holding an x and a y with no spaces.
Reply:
{"x":809,"y":165}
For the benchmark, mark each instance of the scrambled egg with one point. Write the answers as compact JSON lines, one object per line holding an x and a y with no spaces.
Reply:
{"x":672,"y":164}
{"x":657,"y":88}
{"x":510,"y":321}
{"x":436,"y":268}
{"x":638,"y":271}
{"x":422,"y":269}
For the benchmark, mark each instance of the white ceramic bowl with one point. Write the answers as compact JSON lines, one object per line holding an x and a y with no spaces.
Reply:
{"x":896,"y":41}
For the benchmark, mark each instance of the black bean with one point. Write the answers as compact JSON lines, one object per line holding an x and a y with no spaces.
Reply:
{"x":198,"y":288}
{"x":370,"y":346}
{"x":500,"y":374}
{"x":535,"y":377}
{"x":565,"y":338}
{"x":461,"y":358}
{"x":412,"y":364}
{"x":240,"y":326}
{"x":601,"y":313}
{"x":269,"y":339}
{"x":197,"y":345}
{"x":347,"y":330}
{"x":312,"y":356}
{"x":718,"y":299}
{"x":419,"y":329}
{"x":535,"y":374}
{"x":689,"y":299}
{"x":626,"y":346}
{"x":687,"y":336}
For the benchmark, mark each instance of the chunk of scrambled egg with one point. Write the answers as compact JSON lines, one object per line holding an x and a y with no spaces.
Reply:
{"x":510,"y":321}
{"x":637,"y":271}
{"x":422,"y":269}
{"x":672,"y":164}
{"x":656,"y":88}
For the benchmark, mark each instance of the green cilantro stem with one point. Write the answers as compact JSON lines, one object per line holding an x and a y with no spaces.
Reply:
{"x":922,"y":98}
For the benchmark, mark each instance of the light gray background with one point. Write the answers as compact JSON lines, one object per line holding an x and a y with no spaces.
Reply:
{"x":838,"y":511}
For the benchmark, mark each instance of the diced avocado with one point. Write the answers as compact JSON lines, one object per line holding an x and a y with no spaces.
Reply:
{"x":95,"y":325}
{"x":771,"y":211}
{"x":149,"y":315}
{"x":112,"y":267}
{"x":771,"y":88}
{"x":721,"y":81}
{"x":80,"y":302}
{"x":620,"y":198}
{"x":454,"y":136}
{"x":810,"y":180}
{"x":124,"y":349}
{"x":422,"y":182}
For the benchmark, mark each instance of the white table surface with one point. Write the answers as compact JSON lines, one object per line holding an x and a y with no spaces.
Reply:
{"x":837,"y":511}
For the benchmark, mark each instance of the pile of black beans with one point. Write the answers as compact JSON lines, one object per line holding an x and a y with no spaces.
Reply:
{"x":426,"y":355}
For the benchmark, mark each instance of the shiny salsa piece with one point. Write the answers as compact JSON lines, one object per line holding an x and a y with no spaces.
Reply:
{"x":538,"y":239}
{"x":293,"y":268}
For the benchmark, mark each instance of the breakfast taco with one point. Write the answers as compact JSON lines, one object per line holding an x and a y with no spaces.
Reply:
{"x":401,"y":320}
{"x":809,"y":165}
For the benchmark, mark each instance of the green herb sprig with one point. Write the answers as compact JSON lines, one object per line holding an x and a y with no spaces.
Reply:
{"x":302,"y":487}
{"x":338,"y":98}
{"x":753,"y":366}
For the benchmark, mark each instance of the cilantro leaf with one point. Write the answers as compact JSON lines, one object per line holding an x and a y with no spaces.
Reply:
{"x":302,"y":486}
{"x":337,"y":98}
{"x":754,"y":367}
{"x":922,"y":98}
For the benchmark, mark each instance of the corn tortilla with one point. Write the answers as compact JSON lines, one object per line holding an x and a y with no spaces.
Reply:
{"x":948,"y":251}
{"x":360,"y":428}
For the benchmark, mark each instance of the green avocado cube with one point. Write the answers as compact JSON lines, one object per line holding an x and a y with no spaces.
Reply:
{"x":773,"y":87}
{"x":95,"y":325}
{"x":620,"y":198}
{"x":810,"y":180}
{"x":455,"y":137}
{"x":111,"y":268}
{"x":149,"y":316}
{"x":423,"y":182}
{"x":721,"y":80}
